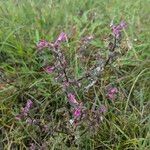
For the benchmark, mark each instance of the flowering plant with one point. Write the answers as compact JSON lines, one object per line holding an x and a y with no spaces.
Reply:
{"x":79,"y":114}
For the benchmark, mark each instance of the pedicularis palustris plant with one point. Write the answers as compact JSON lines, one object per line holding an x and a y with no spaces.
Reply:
{"x":79,"y":114}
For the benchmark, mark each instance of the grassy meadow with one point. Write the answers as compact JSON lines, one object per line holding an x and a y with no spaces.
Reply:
{"x":23,"y":23}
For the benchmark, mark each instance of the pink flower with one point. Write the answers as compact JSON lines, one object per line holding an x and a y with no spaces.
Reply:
{"x":61,"y":38}
{"x":116,"y":29}
{"x":26,"y":109}
{"x":112,"y":92}
{"x":72,"y":99}
{"x":49,"y":69}
{"x":77,"y":112}
{"x":42,"y":44}
{"x":123,"y":24}
{"x":29,"y":104}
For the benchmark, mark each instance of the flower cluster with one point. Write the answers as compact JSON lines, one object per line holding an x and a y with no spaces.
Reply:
{"x":72,"y":100}
{"x":77,"y":108}
{"x":61,"y":69}
{"x":112,"y":91}
{"x":49,"y":69}
{"x":61,"y":38}
{"x":117,"y":29}
{"x":25,"y":110}
{"x":79,"y":113}
{"x":42,"y":44}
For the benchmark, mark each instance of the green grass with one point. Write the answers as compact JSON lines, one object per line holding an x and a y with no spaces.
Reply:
{"x":23,"y":23}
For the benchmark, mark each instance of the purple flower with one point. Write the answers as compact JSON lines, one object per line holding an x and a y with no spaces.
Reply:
{"x":49,"y":69}
{"x":123,"y":24}
{"x":77,"y":112}
{"x":25,"y":110}
{"x":42,"y":44}
{"x":112,"y":92}
{"x":116,"y":29}
{"x":29,"y":104}
{"x":61,"y":38}
{"x":72,"y":99}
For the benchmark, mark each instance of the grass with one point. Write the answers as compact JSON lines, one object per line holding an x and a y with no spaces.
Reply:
{"x":23,"y":23}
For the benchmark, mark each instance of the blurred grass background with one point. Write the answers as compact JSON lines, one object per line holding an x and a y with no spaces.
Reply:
{"x":24,"y":22}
